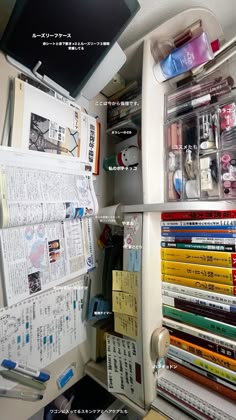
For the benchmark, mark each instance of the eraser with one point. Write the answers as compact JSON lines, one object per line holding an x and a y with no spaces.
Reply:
{"x":65,"y":377}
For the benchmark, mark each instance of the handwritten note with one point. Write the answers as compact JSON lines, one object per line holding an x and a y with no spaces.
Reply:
{"x":125,"y":281}
{"x":123,"y":370}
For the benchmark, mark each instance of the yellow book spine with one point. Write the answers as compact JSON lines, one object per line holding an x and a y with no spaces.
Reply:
{"x":216,"y":370}
{"x":201,"y":272}
{"x":219,"y":259}
{"x":204,"y":353}
{"x":203,"y":285}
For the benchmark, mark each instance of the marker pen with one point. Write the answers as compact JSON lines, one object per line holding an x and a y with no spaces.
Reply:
{"x":23,"y":380}
{"x":26,"y":370}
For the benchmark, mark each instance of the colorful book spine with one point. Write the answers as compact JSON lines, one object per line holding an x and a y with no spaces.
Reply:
{"x":213,"y":347}
{"x":206,"y":382}
{"x":200,"y":228}
{"x":204,"y":353}
{"x":203,"y":373}
{"x":196,"y":308}
{"x":202,"y":285}
{"x":199,"y":240}
{"x":199,"y":334}
{"x":199,"y":234}
{"x":201,"y":247}
{"x":208,"y":366}
{"x":199,"y":215}
{"x":228,"y":308}
{"x":226,"y":330}
{"x":200,"y":272}
{"x":192,"y":223}
{"x":219,"y":259}
{"x":168,"y":289}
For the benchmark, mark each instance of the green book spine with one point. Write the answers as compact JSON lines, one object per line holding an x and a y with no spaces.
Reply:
{"x":207,"y":247}
{"x":210,"y":325}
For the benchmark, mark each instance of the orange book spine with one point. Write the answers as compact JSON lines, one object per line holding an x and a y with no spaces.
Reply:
{"x":206,"y":382}
{"x":213,"y":357}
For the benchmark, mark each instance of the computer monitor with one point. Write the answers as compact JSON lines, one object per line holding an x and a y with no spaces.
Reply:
{"x":64,"y":42}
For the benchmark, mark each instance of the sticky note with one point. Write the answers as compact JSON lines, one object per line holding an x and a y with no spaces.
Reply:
{"x":125,"y":281}
{"x":126,"y":325}
{"x":131,"y":260}
{"x":137,"y":260}
{"x":124,"y":303}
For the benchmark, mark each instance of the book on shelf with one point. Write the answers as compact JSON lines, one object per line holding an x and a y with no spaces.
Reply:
{"x":198,"y":215}
{"x":199,"y":305}
{"x":199,"y":321}
{"x":220,"y":259}
{"x":200,"y":351}
{"x":44,"y":123}
{"x":199,"y":246}
{"x":227,"y":307}
{"x":198,"y":401}
{"x":204,"y":339}
{"x":194,"y":223}
{"x":203,"y":380}
{"x":201,"y":285}
{"x":169,"y":288}
{"x":220,"y":312}
{"x":200,"y":272}
{"x":172,"y":324}
{"x":202,"y":372}
{"x":224,"y":373}
{"x":46,"y":236}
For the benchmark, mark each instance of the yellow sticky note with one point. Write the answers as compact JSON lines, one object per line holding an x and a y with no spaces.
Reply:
{"x":124,"y":303}
{"x":126,"y":325}
{"x":125,"y":281}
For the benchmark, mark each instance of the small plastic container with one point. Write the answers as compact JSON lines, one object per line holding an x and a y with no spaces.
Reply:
{"x":182,"y":181}
{"x":210,"y":187}
{"x":195,"y":96}
{"x":228,"y":173}
{"x":227,"y":123}
{"x":208,"y":131}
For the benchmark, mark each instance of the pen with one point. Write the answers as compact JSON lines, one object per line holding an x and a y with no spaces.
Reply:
{"x":26,"y":370}
{"x":20,"y":395}
{"x":23,"y":380}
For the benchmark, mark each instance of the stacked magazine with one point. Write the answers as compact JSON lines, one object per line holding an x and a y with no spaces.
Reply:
{"x":47,"y":198}
{"x":46,"y":205}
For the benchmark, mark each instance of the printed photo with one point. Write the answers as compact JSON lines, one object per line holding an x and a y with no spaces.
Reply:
{"x":54,"y":245}
{"x":54,"y":257}
{"x":88,"y":212}
{"x":49,"y":136}
{"x":34,"y":282}
{"x":70,"y":210}
{"x":79,"y":212}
